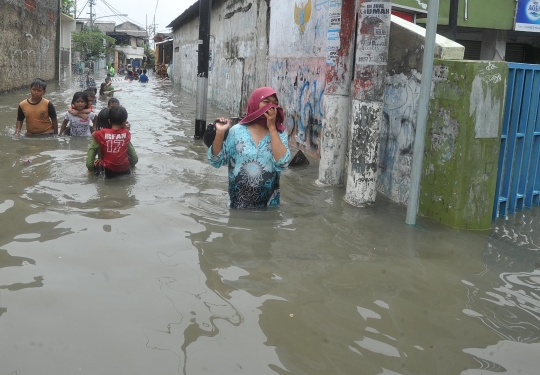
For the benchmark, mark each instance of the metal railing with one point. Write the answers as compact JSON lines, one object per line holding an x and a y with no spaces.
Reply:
{"x":518,"y":178}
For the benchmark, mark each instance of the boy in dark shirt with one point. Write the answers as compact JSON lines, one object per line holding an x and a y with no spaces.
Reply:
{"x":39,"y":112}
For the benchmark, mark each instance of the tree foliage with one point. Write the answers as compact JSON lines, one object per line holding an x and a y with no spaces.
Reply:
{"x":150,"y":56}
{"x":92,"y":44}
{"x":67,"y":6}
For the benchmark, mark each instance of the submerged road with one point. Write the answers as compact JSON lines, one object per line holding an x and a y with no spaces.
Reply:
{"x":154,"y":274}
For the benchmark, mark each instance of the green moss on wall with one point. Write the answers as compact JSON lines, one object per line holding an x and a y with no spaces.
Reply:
{"x":462,"y":143}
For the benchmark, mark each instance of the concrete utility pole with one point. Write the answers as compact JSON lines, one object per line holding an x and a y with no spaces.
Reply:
{"x":423,"y":106}
{"x":91,"y":2}
{"x":367,"y":104}
{"x":337,"y":101}
{"x":202,"y":67}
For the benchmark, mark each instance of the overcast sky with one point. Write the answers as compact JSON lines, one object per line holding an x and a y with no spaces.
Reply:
{"x":138,"y":11}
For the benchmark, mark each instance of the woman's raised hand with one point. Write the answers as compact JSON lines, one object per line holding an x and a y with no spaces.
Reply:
{"x":271,"y":116}
{"x":222,"y":124}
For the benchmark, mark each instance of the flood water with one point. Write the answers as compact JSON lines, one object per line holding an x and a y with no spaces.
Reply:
{"x":154,"y":274}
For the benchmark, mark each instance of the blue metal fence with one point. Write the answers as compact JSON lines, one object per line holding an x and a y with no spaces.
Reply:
{"x":518,"y":179}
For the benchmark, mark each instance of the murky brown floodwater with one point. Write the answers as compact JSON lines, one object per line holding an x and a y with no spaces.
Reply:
{"x":153,"y":274}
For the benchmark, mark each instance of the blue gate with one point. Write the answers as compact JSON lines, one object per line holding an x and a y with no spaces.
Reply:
{"x":518,"y":179}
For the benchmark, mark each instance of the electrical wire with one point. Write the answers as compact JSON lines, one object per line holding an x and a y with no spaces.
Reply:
{"x":84,"y":6}
{"x":114,"y":10}
{"x":155,"y":10}
{"x":101,"y":11}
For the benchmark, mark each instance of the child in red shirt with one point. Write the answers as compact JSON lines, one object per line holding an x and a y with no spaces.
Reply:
{"x":117,"y":154}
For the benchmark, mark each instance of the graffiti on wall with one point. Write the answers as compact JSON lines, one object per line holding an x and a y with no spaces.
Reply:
{"x":302,"y":14}
{"x":304,"y":23}
{"x":297,"y":67}
{"x":300,"y":86}
{"x":397,"y":135}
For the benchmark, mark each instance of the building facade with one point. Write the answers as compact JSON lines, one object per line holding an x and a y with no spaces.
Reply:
{"x":487,"y":29}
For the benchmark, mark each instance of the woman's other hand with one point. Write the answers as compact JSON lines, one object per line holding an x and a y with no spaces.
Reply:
{"x":222,"y":124}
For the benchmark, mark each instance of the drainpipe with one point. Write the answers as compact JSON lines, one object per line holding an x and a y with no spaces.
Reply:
{"x":453,"y":19}
{"x":58,"y":42}
{"x":336,"y":104}
{"x":423,"y":106}
{"x":202,"y":67}
{"x":367,"y":104}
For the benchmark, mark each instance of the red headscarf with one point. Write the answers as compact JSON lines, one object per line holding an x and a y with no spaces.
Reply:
{"x":254,"y":114}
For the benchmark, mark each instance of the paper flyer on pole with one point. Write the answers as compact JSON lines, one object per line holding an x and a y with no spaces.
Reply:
{"x":333,"y":42}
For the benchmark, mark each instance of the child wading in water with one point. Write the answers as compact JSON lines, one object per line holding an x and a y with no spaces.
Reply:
{"x":107,"y":89}
{"x":81,"y":121}
{"x":117,"y":154}
{"x":102,"y":119}
{"x":39,"y":113}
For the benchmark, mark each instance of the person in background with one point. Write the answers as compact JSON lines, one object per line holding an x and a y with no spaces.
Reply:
{"x":117,"y":154}
{"x":111,"y":70}
{"x":102,"y":121}
{"x":90,"y":81}
{"x":143,"y":77}
{"x":134,"y":75}
{"x":107,"y":89}
{"x":39,"y":112}
{"x":255,"y":151}
{"x":91,"y":93}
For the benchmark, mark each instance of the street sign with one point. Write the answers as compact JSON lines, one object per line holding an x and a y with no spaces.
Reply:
{"x":528,"y":16}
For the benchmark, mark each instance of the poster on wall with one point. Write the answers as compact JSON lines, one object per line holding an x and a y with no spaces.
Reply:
{"x":333,"y":42}
{"x":373,"y":33}
{"x":528,"y":16}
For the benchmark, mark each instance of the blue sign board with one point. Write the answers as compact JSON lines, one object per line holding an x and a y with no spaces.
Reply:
{"x":528,"y":16}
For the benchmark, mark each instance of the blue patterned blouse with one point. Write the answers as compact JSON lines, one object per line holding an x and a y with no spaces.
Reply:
{"x":253,"y":171}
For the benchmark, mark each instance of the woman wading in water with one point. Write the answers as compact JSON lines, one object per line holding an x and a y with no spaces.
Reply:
{"x":255,"y":151}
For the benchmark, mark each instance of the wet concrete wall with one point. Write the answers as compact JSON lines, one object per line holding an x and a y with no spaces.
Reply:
{"x":463,"y":142}
{"x":28,"y":41}
{"x":238,"y":45}
{"x":297,"y":67}
{"x":402,"y":93}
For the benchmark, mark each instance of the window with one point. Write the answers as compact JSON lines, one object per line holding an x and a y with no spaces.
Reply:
{"x":472,"y":49}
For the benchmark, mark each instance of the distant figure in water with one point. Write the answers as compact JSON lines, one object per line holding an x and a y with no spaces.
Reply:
{"x":116,"y":153}
{"x":39,"y":112}
{"x":143,"y":77}
{"x":255,"y":150}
